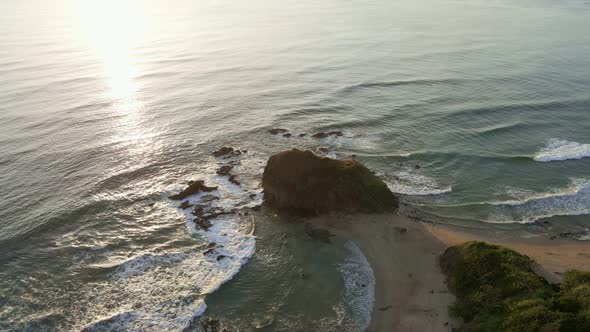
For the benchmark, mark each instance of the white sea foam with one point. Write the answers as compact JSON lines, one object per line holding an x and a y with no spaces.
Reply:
{"x":569,"y":201}
{"x":163,"y":289}
{"x":359,"y":283}
{"x":407,"y":182}
{"x":558,"y":149}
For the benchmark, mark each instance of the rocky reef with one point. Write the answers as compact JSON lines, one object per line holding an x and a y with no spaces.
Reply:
{"x":194,"y":187}
{"x":303,"y":182}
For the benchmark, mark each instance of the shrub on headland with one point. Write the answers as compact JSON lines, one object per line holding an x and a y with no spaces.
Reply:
{"x":497,"y":290}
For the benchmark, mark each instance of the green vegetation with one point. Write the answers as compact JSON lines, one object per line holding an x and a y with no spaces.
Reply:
{"x":497,"y":290}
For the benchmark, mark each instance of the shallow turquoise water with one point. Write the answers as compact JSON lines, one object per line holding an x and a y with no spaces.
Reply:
{"x":108,"y":107}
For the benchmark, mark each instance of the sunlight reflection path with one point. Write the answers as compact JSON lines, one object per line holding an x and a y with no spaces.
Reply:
{"x":113,"y":29}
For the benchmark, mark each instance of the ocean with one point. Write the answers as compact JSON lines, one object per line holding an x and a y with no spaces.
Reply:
{"x":476,"y":113}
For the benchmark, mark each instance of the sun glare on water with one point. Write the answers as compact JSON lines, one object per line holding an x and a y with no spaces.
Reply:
{"x":112,"y":30}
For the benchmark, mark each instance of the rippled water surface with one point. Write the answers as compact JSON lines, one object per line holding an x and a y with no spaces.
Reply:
{"x":475,"y":112}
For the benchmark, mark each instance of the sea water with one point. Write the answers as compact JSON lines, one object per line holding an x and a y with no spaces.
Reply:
{"x":474,"y":112}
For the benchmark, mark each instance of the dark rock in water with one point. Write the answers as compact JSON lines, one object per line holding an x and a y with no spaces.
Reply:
{"x":208,"y":198}
{"x":208,"y":251}
{"x":204,"y":224}
{"x":335,"y":133}
{"x":322,"y":134}
{"x":287,"y":135}
{"x":212,"y":325}
{"x":417,"y":166}
{"x":276,"y":131}
{"x":302,"y":182}
{"x":324,"y":150}
{"x":318,"y":233}
{"x":220,"y":257}
{"x":234,"y":180}
{"x":194,"y":187}
{"x":204,"y":212}
{"x":185,"y":205}
{"x":224,"y":151}
{"x":224,"y":170}
{"x":252,"y":196}
{"x":302,"y":134}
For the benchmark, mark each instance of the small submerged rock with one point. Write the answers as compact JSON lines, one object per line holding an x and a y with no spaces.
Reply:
{"x":212,"y":324}
{"x":194,"y":187}
{"x":322,"y":134}
{"x":276,"y":131}
{"x":223,"y":151}
{"x":185,"y":205}
{"x":208,"y":199}
{"x":227,"y":151}
{"x":400,"y":230}
{"x":287,"y":135}
{"x":234,"y":180}
{"x":204,"y":224}
{"x":319,"y":234}
{"x":224,"y":170}
{"x":324,"y":150}
{"x":207,"y":212}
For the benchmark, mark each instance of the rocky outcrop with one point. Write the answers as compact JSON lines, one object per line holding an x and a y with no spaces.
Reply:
{"x":276,"y":131}
{"x":224,"y":170}
{"x":205,"y":213}
{"x":322,"y":134}
{"x":194,"y":187}
{"x":300,"y":181}
{"x":227,"y":151}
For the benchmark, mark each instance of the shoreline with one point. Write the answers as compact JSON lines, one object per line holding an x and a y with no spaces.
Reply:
{"x":410,"y":288}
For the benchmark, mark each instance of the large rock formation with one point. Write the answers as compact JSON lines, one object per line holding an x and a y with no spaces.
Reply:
{"x":300,"y":181}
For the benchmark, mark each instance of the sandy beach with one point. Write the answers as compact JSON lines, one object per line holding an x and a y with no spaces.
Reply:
{"x":410,"y":292}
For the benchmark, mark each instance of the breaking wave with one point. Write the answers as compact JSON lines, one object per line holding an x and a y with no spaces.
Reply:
{"x":558,"y":149}
{"x":570,"y":201}
{"x":407,"y":182}
{"x":359,"y":281}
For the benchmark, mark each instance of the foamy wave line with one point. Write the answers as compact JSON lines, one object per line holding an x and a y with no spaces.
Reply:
{"x":576,"y":187}
{"x":359,"y":282}
{"x":558,"y":149}
{"x":166,"y":288}
{"x":573,"y":200}
{"x":407,"y":183}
